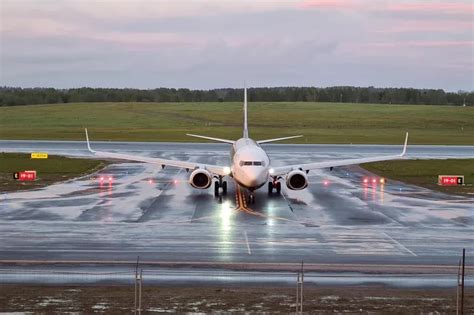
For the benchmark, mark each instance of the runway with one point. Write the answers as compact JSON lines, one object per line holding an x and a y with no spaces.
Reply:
{"x":155,"y":214}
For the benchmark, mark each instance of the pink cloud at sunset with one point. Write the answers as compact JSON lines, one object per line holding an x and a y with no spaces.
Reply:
{"x":446,"y":7}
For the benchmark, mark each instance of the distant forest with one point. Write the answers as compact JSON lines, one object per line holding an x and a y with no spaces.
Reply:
{"x":12,"y":96}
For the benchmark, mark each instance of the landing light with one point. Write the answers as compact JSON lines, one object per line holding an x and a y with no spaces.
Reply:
{"x":271,"y":171}
{"x":382,"y":181}
{"x":227,"y":170}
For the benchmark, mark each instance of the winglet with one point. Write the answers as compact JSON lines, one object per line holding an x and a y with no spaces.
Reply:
{"x":88,"y":144}
{"x":405,"y":146}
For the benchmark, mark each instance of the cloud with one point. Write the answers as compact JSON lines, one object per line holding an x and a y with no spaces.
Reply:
{"x":212,"y":43}
{"x":332,"y":4}
{"x":446,"y":7}
{"x":425,"y":44}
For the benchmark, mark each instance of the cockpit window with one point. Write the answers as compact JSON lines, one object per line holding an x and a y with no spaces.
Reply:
{"x":249,"y":163}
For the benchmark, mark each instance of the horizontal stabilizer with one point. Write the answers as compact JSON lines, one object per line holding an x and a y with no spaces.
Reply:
{"x":277,"y":139}
{"x":211,"y":138}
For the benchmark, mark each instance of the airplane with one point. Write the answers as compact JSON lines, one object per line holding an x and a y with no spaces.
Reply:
{"x":250,"y":165}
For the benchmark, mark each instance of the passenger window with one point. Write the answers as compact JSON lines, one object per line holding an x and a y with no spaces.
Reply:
{"x":257,"y":163}
{"x":247,"y":163}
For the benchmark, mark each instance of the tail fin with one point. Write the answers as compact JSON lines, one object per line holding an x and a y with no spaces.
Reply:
{"x":246,"y":131}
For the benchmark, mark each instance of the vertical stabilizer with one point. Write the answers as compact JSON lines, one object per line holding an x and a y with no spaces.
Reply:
{"x":246,"y":131}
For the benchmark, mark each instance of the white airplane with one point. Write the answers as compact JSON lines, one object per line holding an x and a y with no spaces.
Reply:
{"x":250,"y":167}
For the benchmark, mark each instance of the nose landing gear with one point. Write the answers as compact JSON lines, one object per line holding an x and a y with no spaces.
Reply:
{"x":251,"y":197}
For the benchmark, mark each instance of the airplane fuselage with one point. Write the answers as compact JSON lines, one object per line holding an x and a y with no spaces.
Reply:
{"x":250,"y":164}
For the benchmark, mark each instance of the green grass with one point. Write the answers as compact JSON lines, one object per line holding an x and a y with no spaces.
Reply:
{"x":49,"y":171}
{"x":425,"y":173}
{"x":319,"y":122}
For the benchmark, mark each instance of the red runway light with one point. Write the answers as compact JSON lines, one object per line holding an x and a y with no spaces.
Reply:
{"x":374,"y":180}
{"x":326,"y":183}
{"x":110,"y":178}
{"x":366,"y":180}
{"x":102,"y":178}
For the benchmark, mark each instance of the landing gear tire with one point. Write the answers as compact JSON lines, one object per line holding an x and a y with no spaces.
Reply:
{"x":270,"y":188}
{"x":224,"y":188}
{"x":278,"y":187}
{"x":216,"y":189}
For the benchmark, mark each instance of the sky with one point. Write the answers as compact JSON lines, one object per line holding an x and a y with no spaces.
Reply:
{"x":205,"y":44}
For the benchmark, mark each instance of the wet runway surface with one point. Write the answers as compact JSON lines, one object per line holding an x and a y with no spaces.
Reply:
{"x":146,"y":211}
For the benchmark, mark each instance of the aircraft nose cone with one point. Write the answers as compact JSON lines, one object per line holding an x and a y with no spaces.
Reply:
{"x":256,"y":178}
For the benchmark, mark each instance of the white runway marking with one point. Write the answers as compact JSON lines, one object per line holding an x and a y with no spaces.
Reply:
{"x":247,"y":242}
{"x":400,"y":245}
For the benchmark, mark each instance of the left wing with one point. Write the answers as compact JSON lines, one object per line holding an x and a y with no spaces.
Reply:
{"x":277,"y":139}
{"x":215,"y":169}
{"x":282,"y":170}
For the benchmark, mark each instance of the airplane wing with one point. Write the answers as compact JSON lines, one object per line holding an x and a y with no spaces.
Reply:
{"x":277,"y":139}
{"x":211,"y":138}
{"x":282,"y":170}
{"x":214,"y":169}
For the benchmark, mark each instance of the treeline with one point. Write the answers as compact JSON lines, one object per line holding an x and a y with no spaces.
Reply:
{"x":11,"y":96}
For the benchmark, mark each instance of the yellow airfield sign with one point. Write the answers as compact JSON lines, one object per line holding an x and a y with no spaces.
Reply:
{"x":39,"y":155}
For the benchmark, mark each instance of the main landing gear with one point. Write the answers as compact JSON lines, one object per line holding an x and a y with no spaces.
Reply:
{"x":220,"y":184}
{"x":274,"y":185}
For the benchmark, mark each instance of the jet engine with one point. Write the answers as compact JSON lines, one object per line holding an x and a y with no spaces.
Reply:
{"x":200,"y":179}
{"x":296,"y":180}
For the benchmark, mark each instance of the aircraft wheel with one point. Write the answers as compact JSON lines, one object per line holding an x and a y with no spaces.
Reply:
{"x":278,"y":187}
{"x":216,"y":189}
{"x":224,"y":187}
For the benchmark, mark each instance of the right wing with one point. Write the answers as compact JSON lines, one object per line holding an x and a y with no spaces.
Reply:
{"x":282,"y":170}
{"x":215,"y":169}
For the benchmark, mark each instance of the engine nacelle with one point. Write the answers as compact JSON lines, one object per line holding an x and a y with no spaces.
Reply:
{"x":200,"y":179}
{"x":296,"y":180}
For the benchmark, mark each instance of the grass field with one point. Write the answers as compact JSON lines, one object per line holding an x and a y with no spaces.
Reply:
{"x":318,"y":122}
{"x":119,"y":299}
{"x":49,"y":171}
{"x":425,"y":173}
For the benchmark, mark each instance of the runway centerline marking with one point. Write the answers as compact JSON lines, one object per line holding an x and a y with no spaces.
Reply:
{"x":400,"y":244}
{"x":247,"y":242}
{"x":242,"y":206}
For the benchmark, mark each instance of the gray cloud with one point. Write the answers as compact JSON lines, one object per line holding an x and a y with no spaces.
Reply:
{"x":70,"y":45}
